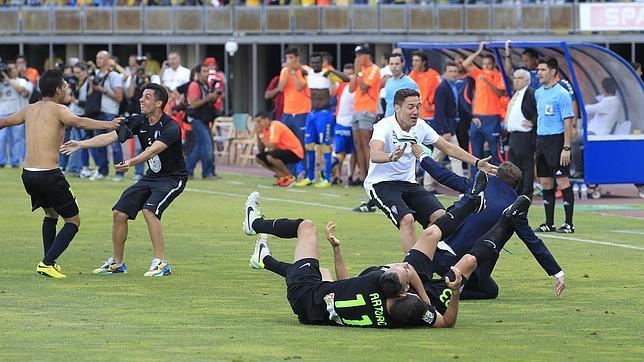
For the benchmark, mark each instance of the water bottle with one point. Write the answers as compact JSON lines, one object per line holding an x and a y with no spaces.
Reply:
{"x":584,"y":191}
{"x":575,"y":191}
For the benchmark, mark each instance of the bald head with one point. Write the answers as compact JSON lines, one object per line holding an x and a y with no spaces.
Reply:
{"x":102,"y":59}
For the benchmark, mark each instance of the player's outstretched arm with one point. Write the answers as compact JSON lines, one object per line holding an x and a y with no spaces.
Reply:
{"x":457,"y":152}
{"x":441,"y":174}
{"x":448,"y":320}
{"x":13,"y":120}
{"x":156,"y":148}
{"x":341,"y":272}
{"x":70,"y":119}
{"x":102,"y":140}
{"x":541,"y":253}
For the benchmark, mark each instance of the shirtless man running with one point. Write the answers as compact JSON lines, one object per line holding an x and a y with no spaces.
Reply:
{"x":45,"y":123}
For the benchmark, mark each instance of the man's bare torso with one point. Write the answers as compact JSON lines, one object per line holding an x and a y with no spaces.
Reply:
{"x":44,"y":134}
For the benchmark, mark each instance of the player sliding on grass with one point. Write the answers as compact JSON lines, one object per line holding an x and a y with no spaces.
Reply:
{"x":44,"y":182}
{"x":500,"y":192}
{"x":381,"y":297}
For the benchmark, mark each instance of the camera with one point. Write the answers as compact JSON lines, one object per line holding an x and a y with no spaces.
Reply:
{"x":214,"y":86}
{"x":140,"y":60}
{"x":3,"y":68}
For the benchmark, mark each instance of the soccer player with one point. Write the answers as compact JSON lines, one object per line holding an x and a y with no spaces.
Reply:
{"x":164,"y":181}
{"x":380,"y":297}
{"x":555,"y":118}
{"x":45,"y":126}
{"x":391,"y":180}
{"x":278,"y":147}
{"x":319,"y":123}
{"x":343,"y":135}
{"x":500,"y":192}
{"x":486,"y":126}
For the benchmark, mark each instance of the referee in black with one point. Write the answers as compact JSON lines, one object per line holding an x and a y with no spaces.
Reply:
{"x":164,"y":181}
{"x":554,"y":134}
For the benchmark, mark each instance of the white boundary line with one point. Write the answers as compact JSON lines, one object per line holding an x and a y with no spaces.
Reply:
{"x":616,"y":215}
{"x":629,"y":232}
{"x":288,"y":201}
{"x":316,"y":204}
{"x":607,"y":243}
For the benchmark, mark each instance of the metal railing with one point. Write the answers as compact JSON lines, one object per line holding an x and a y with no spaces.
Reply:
{"x":238,"y":21}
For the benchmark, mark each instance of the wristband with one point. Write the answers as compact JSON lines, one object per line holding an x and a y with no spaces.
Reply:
{"x":476,"y":164}
{"x":558,"y":275}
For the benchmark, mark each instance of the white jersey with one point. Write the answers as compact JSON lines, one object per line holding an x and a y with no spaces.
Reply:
{"x":345,"y":109}
{"x":388,"y":131}
{"x":317,"y":80}
{"x":10,"y":100}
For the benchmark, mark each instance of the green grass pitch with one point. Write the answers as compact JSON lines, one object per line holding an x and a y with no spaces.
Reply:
{"x":215,"y":307}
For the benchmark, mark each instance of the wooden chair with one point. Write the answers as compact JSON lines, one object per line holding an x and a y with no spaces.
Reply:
{"x":222,"y":136}
{"x":242,"y":135}
{"x":246,"y":147}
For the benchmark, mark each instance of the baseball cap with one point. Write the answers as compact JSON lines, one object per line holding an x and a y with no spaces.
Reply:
{"x":362,"y":49}
{"x":210,"y":61}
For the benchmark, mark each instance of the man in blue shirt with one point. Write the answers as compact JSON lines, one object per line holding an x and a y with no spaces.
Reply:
{"x":555,"y":119}
{"x":447,"y":113}
{"x":397,"y":81}
{"x":499,"y":194}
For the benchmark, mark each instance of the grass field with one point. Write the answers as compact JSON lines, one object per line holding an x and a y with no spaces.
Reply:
{"x":216,"y":308}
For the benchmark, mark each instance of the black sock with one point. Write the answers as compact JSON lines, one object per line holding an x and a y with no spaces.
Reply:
{"x":452,"y":219}
{"x":276,"y":266}
{"x":549,"y":205}
{"x":568,"y":203}
{"x":61,"y":242}
{"x":282,"y":228}
{"x":48,"y":233}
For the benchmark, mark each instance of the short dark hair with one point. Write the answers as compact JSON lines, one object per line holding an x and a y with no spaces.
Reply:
{"x":50,"y":81}
{"x":510,"y":174}
{"x":390,"y":284}
{"x":408,"y":311}
{"x":450,"y":64}
{"x":402,"y":94}
{"x":327,"y":56}
{"x":80,"y":65}
{"x":265,"y":114}
{"x":490,"y":56}
{"x":348,"y":66}
{"x":552,"y":63}
{"x":609,"y":85}
{"x":531,"y":53}
{"x":421,"y":55}
{"x":316,"y":55}
{"x":20,"y":56}
{"x":160,"y":93}
{"x":291,"y":50}
{"x":398,"y":55}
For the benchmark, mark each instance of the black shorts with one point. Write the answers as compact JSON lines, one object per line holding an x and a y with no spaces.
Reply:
{"x":49,"y":189}
{"x":399,"y":198}
{"x":285,"y":156}
{"x":438,"y":292}
{"x":303,"y":279}
{"x":547,"y":157}
{"x":152,"y":193}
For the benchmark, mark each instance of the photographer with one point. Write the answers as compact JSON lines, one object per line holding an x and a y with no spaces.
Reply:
{"x":110,"y":85}
{"x":14,"y":94}
{"x":78,"y":163}
{"x":201,"y":113}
